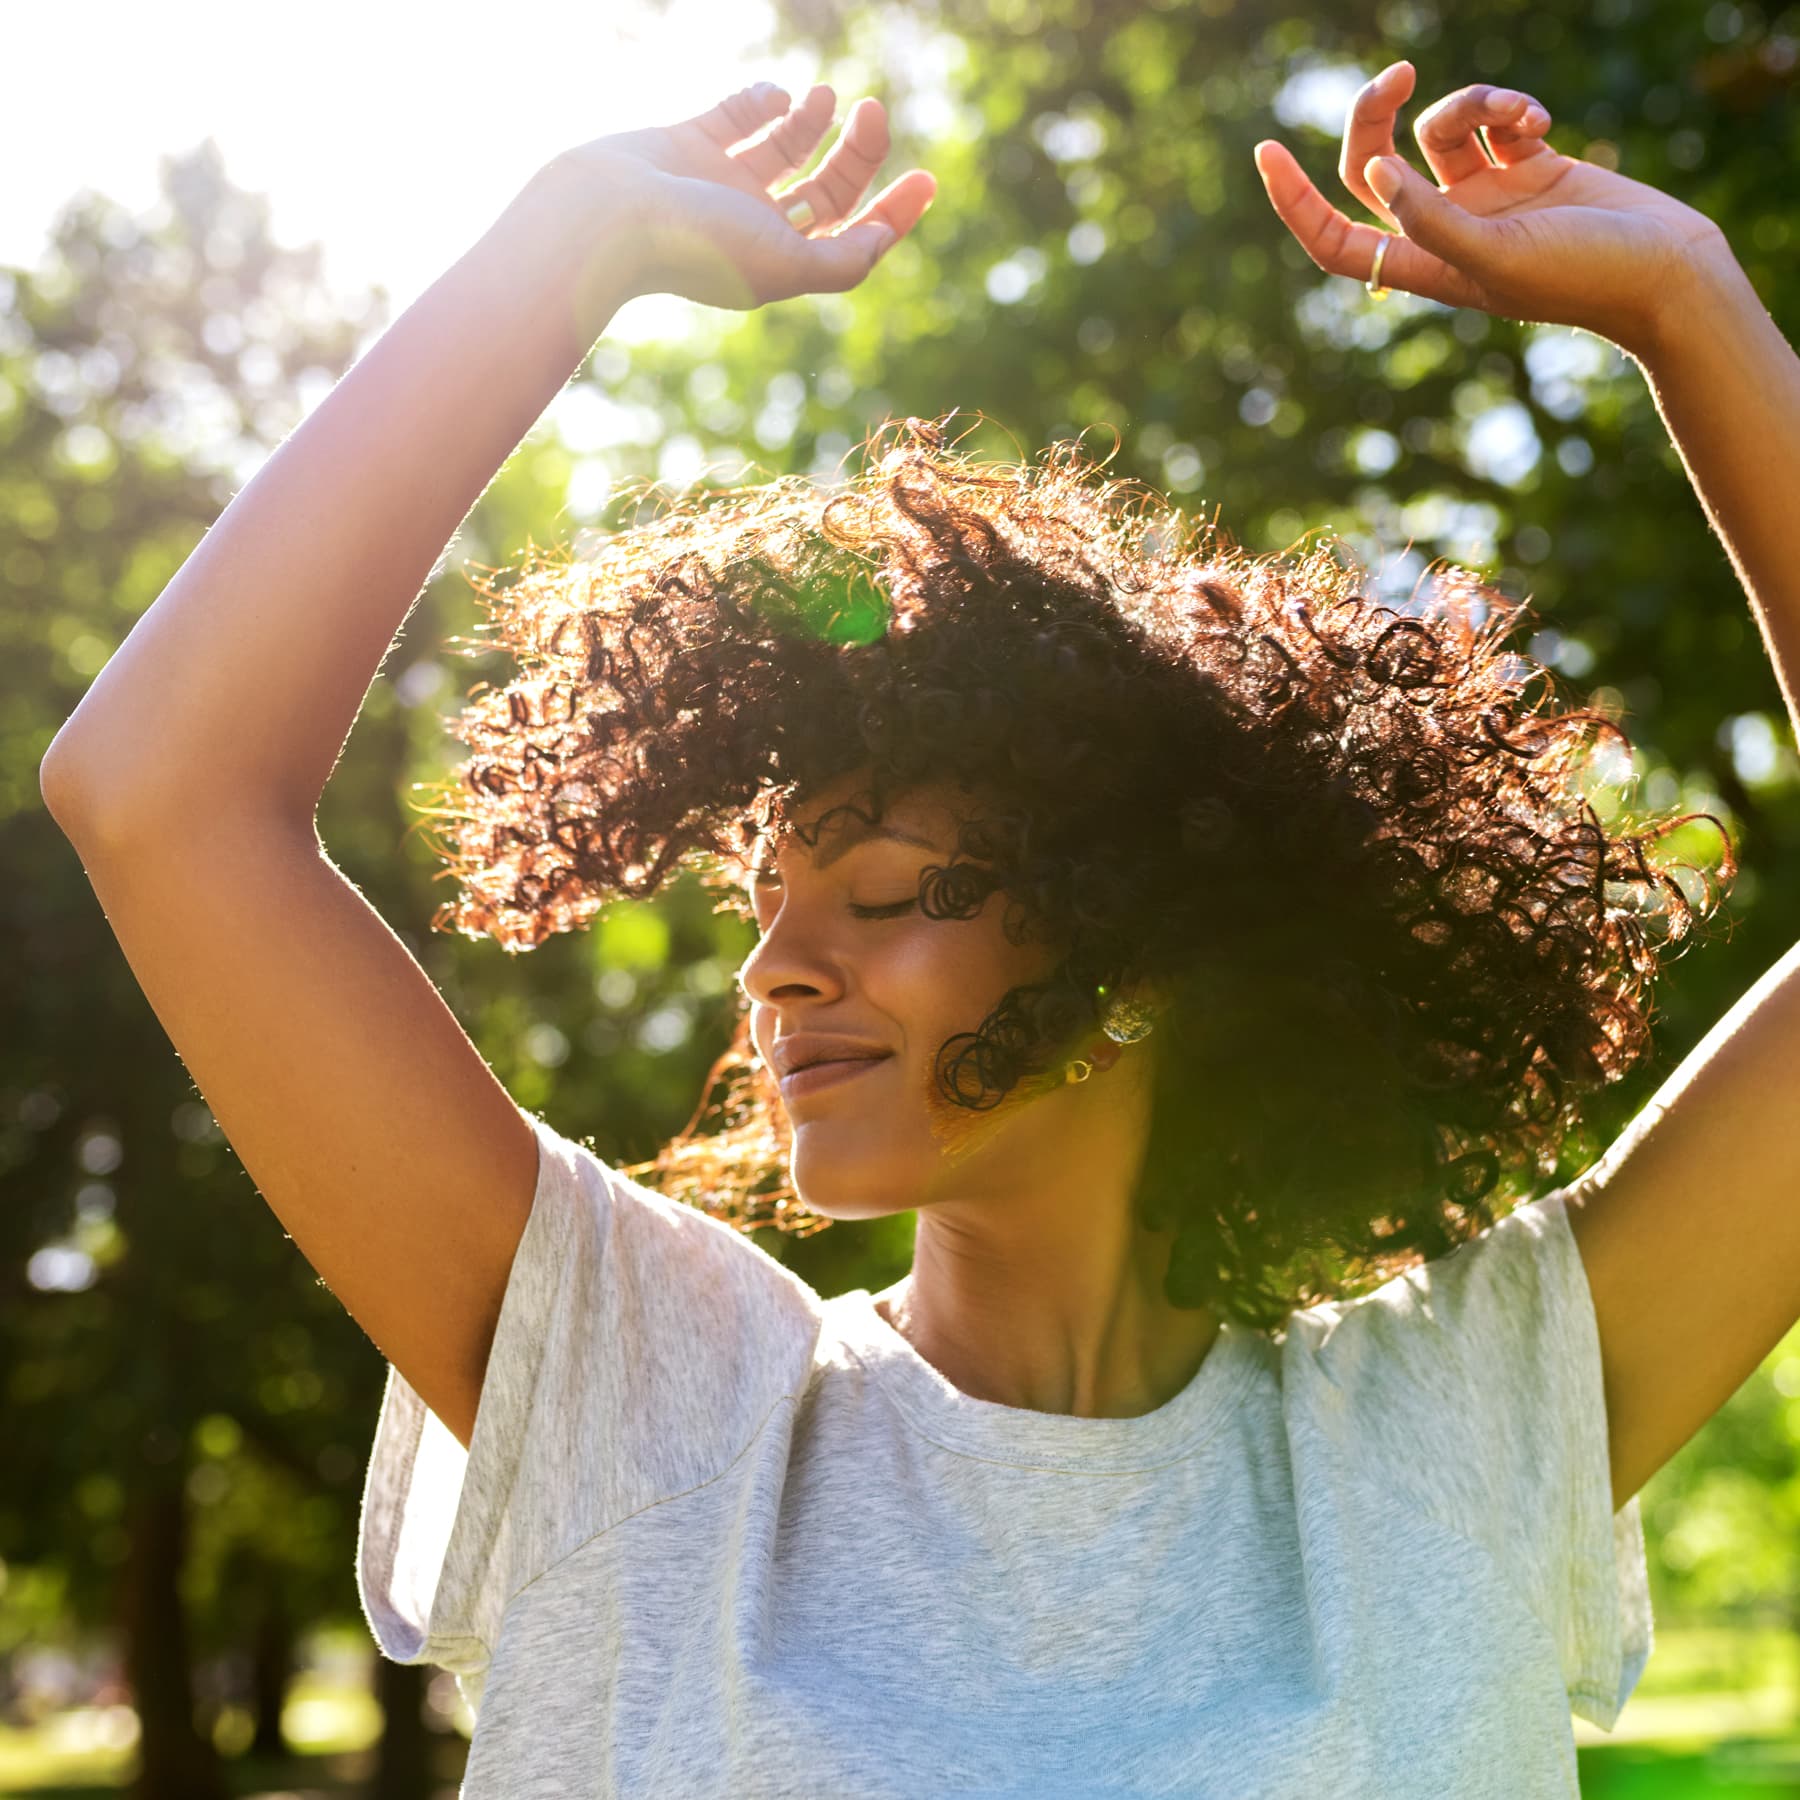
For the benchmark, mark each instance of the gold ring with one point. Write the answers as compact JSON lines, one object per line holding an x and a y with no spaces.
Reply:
{"x":800,"y":214}
{"x":1373,"y":284}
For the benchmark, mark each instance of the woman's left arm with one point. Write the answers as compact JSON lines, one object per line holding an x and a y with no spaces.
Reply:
{"x":1727,"y":384}
{"x":1689,"y":1226}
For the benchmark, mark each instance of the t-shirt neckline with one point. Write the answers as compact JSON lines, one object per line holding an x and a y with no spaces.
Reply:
{"x":986,"y":1428}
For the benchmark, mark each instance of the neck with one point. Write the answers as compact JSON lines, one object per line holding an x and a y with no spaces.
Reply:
{"x":1042,"y":1290}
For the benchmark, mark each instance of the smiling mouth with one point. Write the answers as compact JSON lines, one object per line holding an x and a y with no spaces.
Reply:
{"x":827,"y":1074}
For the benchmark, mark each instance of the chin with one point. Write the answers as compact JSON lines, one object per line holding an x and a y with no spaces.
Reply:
{"x":848,"y":1186}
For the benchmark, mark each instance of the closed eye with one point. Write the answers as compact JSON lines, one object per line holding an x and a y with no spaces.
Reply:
{"x":892,"y":909}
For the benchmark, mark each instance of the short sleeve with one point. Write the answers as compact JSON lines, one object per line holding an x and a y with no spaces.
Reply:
{"x":1475,"y":1379}
{"x":639,"y":1346}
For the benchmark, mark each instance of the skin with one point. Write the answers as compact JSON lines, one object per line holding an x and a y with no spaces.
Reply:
{"x":1033,"y":1283}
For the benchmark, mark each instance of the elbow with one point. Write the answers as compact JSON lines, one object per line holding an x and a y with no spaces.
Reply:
{"x":56,"y":782}
{"x":72,"y":794}
{"x":98,"y":806}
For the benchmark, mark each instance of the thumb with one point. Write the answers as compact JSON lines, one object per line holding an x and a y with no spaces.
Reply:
{"x":1429,"y":217}
{"x":839,"y":261}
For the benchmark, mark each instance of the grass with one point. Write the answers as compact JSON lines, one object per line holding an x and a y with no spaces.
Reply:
{"x":1739,"y":1769}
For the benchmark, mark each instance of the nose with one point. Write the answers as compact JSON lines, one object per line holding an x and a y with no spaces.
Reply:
{"x":791,"y":959}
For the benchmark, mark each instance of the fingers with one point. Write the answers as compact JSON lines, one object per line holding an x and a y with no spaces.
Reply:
{"x":840,"y":259}
{"x":743,"y":114}
{"x":1341,"y":247}
{"x":832,"y":189}
{"x":1460,"y":135}
{"x":790,"y":140}
{"x":1369,"y":130}
{"x":1449,"y":132}
{"x":1522,"y":135}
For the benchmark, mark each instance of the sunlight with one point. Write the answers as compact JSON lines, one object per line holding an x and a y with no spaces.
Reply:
{"x":389,"y":135}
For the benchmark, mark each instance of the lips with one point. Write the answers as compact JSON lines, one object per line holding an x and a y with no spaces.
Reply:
{"x":802,"y":1049}
{"x":828,"y":1072}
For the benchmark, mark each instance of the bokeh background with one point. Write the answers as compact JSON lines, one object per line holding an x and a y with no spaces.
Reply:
{"x":210,"y":211}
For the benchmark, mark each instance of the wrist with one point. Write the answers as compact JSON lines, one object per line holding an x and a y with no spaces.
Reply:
{"x":1706,"y":291}
{"x":603,"y":206}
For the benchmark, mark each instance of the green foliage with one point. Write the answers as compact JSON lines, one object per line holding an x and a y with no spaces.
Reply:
{"x":1722,"y":1518}
{"x":1101,"y":260}
{"x":139,"y":371}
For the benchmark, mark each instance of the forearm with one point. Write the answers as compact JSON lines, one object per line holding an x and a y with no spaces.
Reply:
{"x":242,"y":681}
{"x":1727,"y":384}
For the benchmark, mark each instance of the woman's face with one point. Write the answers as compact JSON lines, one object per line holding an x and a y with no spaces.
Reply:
{"x":845,"y":953}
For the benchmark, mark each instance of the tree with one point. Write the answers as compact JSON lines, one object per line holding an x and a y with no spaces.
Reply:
{"x":147,"y":1298}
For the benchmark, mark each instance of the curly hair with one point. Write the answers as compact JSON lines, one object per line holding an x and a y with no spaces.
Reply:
{"x":1393,"y":946}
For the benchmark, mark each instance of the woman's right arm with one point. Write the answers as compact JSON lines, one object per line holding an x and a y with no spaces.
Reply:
{"x":188,"y":776}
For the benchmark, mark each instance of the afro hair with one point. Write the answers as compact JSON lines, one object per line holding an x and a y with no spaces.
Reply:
{"x":1348,"y":845}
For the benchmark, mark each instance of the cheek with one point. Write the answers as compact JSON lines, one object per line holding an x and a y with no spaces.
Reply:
{"x":950,"y":972}
{"x":943,"y":983}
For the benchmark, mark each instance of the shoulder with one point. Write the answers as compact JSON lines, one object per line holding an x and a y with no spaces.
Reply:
{"x":1497,"y":1288}
{"x":597,"y":1206}
{"x":694,"y":1301}
{"x":1467,"y":1384}
{"x":1443,"y":1375}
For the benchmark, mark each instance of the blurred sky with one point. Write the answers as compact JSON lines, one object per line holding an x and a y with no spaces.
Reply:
{"x":389,"y":132}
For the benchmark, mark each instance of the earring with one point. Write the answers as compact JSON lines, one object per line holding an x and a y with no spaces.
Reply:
{"x":1126,"y":1021}
{"x":1099,"y":1057}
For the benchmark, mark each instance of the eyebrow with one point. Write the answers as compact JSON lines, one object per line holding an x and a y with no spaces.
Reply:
{"x":846,"y":839}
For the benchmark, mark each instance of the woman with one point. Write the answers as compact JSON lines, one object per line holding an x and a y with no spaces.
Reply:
{"x":1189,"y":940}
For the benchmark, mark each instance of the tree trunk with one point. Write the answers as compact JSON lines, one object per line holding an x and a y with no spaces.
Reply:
{"x":403,"y":1762}
{"x":271,"y":1663}
{"x":174,"y":1761}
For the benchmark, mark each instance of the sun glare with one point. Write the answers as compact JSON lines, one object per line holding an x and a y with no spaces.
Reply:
{"x":389,"y":134}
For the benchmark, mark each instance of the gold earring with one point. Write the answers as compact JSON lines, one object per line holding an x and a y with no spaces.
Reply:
{"x":1097,"y":1059}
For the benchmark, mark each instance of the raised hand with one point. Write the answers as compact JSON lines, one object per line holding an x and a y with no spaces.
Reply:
{"x":1511,"y":227}
{"x":705,"y":221}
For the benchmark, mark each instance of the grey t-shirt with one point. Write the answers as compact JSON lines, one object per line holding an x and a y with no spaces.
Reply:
{"x":714,"y":1535}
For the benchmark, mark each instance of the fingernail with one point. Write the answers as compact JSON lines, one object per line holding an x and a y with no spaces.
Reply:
{"x":1384,"y":178}
{"x":885,"y":239}
{"x":1503,"y":99}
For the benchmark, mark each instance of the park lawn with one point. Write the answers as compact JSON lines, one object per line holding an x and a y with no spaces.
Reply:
{"x":1716,"y":1714}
